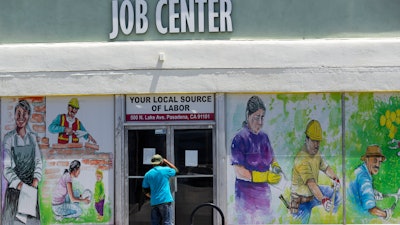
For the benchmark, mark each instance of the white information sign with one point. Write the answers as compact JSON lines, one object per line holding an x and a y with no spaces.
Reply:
{"x":191,"y":158}
{"x":147,"y":154}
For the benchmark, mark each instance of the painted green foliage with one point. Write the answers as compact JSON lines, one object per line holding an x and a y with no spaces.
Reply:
{"x":298,"y":110}
{"x":89,"y":215}
{"x":285,"y":121}
{"x":365,"y":119}
{"x":373,"y":119}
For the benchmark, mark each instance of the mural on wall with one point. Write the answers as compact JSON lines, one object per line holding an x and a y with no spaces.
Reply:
{"x":69,"y":128}
{"x":285,"y":159}
{"x":52,"y":158}
{"x":22,"y":168}
{"x":372,"y":158}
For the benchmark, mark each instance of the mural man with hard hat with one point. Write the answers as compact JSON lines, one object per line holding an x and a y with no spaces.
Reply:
{"x":361,"y":191}
{"x":68,"y":127}
{"x":306,"y":193}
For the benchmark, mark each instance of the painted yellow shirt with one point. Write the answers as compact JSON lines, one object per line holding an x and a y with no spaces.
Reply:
{"x":306,"y":167}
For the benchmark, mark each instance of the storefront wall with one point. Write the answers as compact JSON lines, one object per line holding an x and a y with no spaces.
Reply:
{"x":304,"y":61}
{"x":352,"y":72}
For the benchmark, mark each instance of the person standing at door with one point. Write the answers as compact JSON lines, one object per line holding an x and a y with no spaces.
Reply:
{"x":22,"y":169}
{"x":156,"y":187}
{"x":254,"y":164}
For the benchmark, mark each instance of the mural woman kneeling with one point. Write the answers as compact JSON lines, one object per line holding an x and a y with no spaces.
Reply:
{"x":65,"y":203}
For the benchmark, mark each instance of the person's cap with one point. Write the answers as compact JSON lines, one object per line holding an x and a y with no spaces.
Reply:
{"x":74,"y":103}
{"x":156,"y":159}
{"x":374,"y":151}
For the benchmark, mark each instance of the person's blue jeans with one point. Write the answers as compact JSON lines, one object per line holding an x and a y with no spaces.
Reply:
{"x":161,"y":214}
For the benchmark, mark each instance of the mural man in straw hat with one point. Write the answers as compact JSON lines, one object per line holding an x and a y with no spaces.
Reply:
{"x":306,"y":193}
{"x":361,"y":191}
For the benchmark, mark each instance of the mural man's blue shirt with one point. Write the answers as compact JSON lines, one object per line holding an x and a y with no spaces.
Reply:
{"x":361,"y":190}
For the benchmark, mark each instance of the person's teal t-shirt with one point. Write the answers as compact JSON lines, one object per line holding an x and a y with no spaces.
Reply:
{"x":157,"y":179}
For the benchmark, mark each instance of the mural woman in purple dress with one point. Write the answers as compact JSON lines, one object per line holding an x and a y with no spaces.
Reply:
{"x":254,"y":160}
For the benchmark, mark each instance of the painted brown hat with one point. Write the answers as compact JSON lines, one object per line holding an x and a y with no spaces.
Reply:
{"x":374,"y":151}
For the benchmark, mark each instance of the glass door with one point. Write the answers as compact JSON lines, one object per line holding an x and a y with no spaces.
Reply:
{"x":191,"y":149}
{"x":193,"y":154}
{"x":140,"y":143}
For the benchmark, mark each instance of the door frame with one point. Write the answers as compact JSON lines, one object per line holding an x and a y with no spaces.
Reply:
{"x":170,"y":151}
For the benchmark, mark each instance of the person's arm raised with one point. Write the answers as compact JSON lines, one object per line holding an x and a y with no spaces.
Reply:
{"x":171,"y":165}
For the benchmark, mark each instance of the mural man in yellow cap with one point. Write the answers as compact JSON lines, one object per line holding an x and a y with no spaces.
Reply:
{"x":68,"y":127}
{"x":361,"y":191}
{"x":306,"y":193}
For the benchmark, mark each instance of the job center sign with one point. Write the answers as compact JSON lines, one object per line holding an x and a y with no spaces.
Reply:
{"x":171,"y":16}
{"x":143,"y":108}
